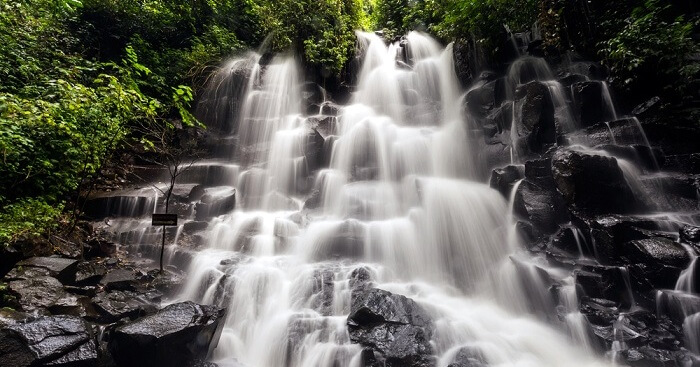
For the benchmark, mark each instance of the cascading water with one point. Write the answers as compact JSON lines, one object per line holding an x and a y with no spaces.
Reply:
{"x":398,"y":200}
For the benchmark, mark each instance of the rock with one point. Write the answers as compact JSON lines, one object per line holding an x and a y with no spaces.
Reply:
{"x":468,"y":357}
{"x":657,"y":250}
{"x":570,"y":79}
{"x":324,"y":125}
{"x":606,"y":282}
{"x":361,"y":278}
{"x":534,"y":118}
{"x":498,"y":120}
{"x":593,"y":183}
{"x":314,"y":150}
{"x":503,"y":179}
{"x":178,"y":335}
{"x":89,"y":273}
{"x":394,"y":327}
{"x":537,"y":199}
{"x":9,"y":256}
{"x":314,"y":201}
{"x":216,"y":201}
{"x":479,"y":100}
{"x":117,"y":305}
{"x":59,"y":268}
{"x":48,"y":341}
{"x":644,"y":157}
{"x":690,"y":234}
{"x":196,"y":193}
{"x":37,"y":294}
{"x":195,"y":226}
{"x":589,"y":104}
{"x":677,"y":305}
{"x":98,"y":247}
{"x":346,"y":240}
{"x":322,"y":291}
{"x":120,"y":279}
{"x":646,"y":108}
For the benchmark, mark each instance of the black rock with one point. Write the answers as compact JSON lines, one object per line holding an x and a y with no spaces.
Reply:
{"x":314,"y":150}
{"x":657,"y":250}
{"x":593,"y":183}
{"x":116,"y":305}
{"x":677,"y":305}
{"x":48,"y":341}
{"x":120,"y":279}
{"x":59,"y":268}
{"x":178,"y":335}
{"x":37,"y":294}
{"x":347,"y":241}
{"x":468,"y":357}
{"x":690,"y":234}
{"x":589,"y":103}
{"x":538,"y":201}
{"x":89,"y":273}
{"x":394,"y":327}
{"x":503,"y":179}
{"x":534,"y":118}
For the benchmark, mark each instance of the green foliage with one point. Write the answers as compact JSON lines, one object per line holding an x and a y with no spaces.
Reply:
{"x":26,"y":218}
{"x":322,"y":30}
{"x":650,"y":42}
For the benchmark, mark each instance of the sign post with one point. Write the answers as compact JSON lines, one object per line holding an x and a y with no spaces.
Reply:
{"x":164,"y":220}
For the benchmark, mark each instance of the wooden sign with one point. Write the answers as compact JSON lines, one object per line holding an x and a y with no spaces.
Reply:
{"x":164,"y":220}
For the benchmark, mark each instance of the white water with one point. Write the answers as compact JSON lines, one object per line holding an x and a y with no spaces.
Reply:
{"x":399,"y":200}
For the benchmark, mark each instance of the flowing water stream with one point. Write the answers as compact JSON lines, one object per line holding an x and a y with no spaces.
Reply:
{"x":400,"y":200}
{"x":389,"y":187}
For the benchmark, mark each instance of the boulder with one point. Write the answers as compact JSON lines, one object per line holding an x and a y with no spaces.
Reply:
{"x":657,"y":251}
{"x":117,"y":305}
{"x":48,"y":341}
{"x":537,"y":199}
{"x":589,"y":104}
{"x":534,"y":118}
{"x":346,"y":240}
{"x":120,"y":279}
{"x":468,"y":357}
{"x":396,"y":329}
{"x":314,"y":150}
{"x":89,"y":273}
{"x":37,"y":294}
{"x":593,"y":183}
{"x":503,"y":179}
{"x":59,"y":268}
{"x":690,"y":234}
{"x":181,"y":334}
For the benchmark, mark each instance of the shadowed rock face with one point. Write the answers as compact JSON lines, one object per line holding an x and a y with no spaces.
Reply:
{"x":593,"y":183}
{"x":396,"y":329}
{"x":48,"y":341}
{"x":178,"y":335}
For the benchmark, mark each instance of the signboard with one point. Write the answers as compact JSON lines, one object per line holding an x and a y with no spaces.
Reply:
{"x":164,"y":220}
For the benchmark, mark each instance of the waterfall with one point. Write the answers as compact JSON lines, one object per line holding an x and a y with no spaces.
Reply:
{"x":399,"y":199}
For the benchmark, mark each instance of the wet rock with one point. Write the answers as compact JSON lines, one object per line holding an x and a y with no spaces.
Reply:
{"x":314,"y":201}
{"x":59,"y":268}
{"x":647,"y":356}
{"x":120,"y":279}
{"x":48,"y":341}
{"x":534,"y":118}
{"x":89,"y":273}
{"x":178,"y":335}
{"x":345,"y":241}
{"x":645,"y":157}
{"x":37,"y":294}
{"x":314,"y":150}
{"x":9,"y":256}
{"x":216,"y":201}
{"x":394,"y":327}
{"x":498,"y":120}
{"x":657,"y":250}
{"x":478,"y":101}
{"x":195,"y":226}
{"x":592,"y":183}
{"x":99,"y":247}
{"x":571,"y":79}
{"x":196,"y":193}
{"x":322,"y":291}
{"x":503,"y":179}
{"x":9,"y":316}
{"x":690,"y":234}
{"x":468,"y":357}
{"x":677,"y":305}
{"x":589,"y":103}
{"x":116,"y":305}
{"x":537,"y":199}
{"x":569,"y":240}
{"x":361,"y":278}
{"x":604,"y":282}
{"x":324,"y":125}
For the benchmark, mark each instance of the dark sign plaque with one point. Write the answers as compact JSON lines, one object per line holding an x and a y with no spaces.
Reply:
{"x":164,"y":220}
